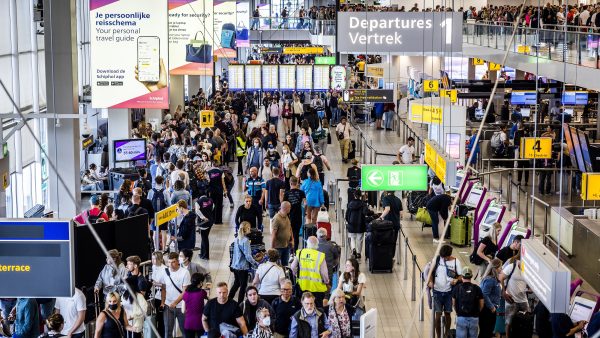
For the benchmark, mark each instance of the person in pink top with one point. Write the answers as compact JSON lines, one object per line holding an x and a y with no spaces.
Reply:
{"x":94,"y":214}
{"x":194,"y":297}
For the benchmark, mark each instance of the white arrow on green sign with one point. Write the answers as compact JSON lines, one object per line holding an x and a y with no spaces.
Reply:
{"x":410,"y":177}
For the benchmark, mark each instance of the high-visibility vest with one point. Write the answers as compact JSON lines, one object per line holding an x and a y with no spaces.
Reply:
{"x":240,"y":149}
{"x":309,"y":273}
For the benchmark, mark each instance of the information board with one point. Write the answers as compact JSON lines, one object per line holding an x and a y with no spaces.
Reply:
{"x":207,"y":118}
{"x":321,"y":77}
{"x":36,"y":252}
{"x":270,"y":77}
{"x":287,"y":77}
{"x":590,"y":186}
{"x":236,"y":77}
{"x":253,"y":77}
{"x":536,"y":147}
{"x":304,"y":77}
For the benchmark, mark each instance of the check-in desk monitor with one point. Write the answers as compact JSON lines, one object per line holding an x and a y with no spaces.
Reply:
{"x":512,"y":230}
{"x":491,"y":215}
{"x":475,"y":197}
{"x":582,"y":309}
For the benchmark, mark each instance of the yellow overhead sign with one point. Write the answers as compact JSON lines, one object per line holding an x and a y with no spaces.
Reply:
{"x":426,"y":114}
{"x":535,"y":147}
{"x":494,"y":66}
{"x":435,"y":161}
{"x":590,"y":186}
{"x":431,"y":86}
{"x":302,"y":50}
{"x":166,"y":214}
{"x":522,"y":49}
{"x":478,"y":62}
{"x":451,"y":93}
{"x":207,"y":118}
{"x":375,"y":71}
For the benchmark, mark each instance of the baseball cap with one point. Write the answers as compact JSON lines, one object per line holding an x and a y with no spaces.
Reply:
{"x":197,"y":158}
{"x":95,"y":200}
{"x":308,"y":155}
{"x":467,"y":272}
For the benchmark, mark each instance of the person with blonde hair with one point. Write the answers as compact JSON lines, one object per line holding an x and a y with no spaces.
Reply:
{"x":339,"y":315}
{"x":111,"y":278}
{"x":112,"y":321}
{"x":486,"y":249}
{"x":241,"y":261}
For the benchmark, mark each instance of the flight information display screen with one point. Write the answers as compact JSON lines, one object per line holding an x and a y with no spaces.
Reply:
{"x":287,"y":77}
{"x":270,"y":77}
{"x":304,"y":77}
{"x":253,"y":77}
{"x":236,"y":77}
{"x":321,"y":78}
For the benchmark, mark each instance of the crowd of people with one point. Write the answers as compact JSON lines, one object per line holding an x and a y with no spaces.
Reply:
{"x":279,"y":58}
{"x":300,"y":18}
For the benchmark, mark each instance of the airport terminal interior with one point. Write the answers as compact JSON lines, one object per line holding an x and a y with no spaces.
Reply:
{"x":299,"y":168}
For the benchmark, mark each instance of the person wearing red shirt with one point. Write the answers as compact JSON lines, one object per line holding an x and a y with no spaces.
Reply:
{"x":94,"y":213}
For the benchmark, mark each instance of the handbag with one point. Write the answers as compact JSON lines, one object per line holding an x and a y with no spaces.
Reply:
{"x":198,"y":51}
{"x":241,"y":32}
{"x":340,"y":134}
{"x":423,"y":216}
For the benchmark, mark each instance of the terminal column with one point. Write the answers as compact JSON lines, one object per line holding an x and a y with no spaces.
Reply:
{"x":176,"y":92}
{"x":193,"y":85}
{"x":64,"y":144}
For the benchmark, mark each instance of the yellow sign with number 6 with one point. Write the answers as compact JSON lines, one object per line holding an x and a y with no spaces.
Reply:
{"x":431,"y":86}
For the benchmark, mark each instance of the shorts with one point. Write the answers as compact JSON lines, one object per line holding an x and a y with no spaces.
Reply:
{"x":442,"y":301}
{"x":378,"y":115}
{"x":164,"y":226}
{"x":512,"y":309}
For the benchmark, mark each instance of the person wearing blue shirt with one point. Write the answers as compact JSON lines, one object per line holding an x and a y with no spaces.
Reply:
{"x":516,"y":115}
{"x":27,"y":319}
{"x":241,"y":261}
{"x":490,"y":287}
{"x":255,"y":155}
{"x":314,"y":195}
{"x":256,"y":187}
{"x":473,"y":148}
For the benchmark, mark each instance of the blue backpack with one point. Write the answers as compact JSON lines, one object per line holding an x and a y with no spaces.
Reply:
{"x":228,"y":35}
{"x":158,"y":200}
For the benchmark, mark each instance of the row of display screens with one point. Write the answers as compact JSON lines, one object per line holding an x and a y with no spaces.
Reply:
{"x":278,"y":77}
{"x":579,"y":148}
{"x":530,"y":98}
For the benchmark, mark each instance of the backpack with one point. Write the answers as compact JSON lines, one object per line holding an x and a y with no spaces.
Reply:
{"x":319,"y":163}
{"x":496,"y":140}
{"x":94,"y":219}
{"x":158,"y":200}
{"x":144,"y":185}
{"x":466,"y":298}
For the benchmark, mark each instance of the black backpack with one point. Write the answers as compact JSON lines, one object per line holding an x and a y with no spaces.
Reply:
{"x":94,"y":219}
{"x":466,"y":298}
{"x":319,"y":163}
{"x":158,"y":200}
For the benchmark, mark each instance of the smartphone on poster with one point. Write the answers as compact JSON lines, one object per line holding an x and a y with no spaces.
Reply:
{"x":148,"y":58}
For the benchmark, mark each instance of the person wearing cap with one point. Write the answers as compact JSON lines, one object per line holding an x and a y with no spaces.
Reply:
{"x":94,"y":213}
{"x":468,"y":302}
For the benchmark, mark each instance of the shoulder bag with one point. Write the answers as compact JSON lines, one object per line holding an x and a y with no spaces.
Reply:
{"x":176,"y":287}
{"x":340,"y":134}
{"x":116,"y":321}
{"x":507,"y":297}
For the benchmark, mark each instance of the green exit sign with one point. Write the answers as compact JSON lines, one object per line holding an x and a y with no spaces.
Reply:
{"x":325,"y":60}
{"x":410,"y":177}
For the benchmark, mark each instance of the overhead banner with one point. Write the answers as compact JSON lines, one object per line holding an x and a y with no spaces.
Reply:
{"x":224,"y":29}
{"x":399,"y":32}
{"x":129,"y":54}
{"x":190,"y":37}
{"x":368,"y":95}
{"x":242,"y":36}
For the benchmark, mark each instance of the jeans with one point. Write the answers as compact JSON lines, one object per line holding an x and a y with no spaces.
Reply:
{"x":255,"y":23}
{"x":356,"y":241}
{"x":466,"y":327}
{"x":169,"y":316}
{"x":273,"y":120}
{"x":240,"y":282}
{"x":273,"y":209}
{"x":47,"y":309}
{"x":389,"y":115}
{"x":6,"y":306}
{"x":284,"y":255}
{"x":442,"y":301}
{"x":435,"y":220}
{"x":335,"y":115}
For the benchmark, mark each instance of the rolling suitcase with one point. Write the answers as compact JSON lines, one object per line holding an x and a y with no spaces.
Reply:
{"x":324,"y":222}
{"x":522,"y":325}
{"x":380,"y":246}
{"x":461,"y":229}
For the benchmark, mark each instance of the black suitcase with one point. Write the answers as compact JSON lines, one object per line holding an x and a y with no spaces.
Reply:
{"x":309,"y":230}
{"x":255,"y":236}
{"x":381,"y":257}
{"x":416,"y":200}
{"x":522,"y":325}
{"x":352,"y":152}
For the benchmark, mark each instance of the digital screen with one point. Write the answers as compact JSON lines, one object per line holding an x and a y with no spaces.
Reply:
{"x":34,"y":251}
{"x":578,"y":151}
{"x":579,"y":98}
{"x":453,"y":145}
{"x":459,"y":178}
{"x":474,"y":198}
{"x":270,"y":78}
{"x":321,"y":78}
{"x":491,"y":216}
{"x":568,"y":111}
{"x":130,"y":150}
{"x":525,"y":112}
{"x":523,"y":97}
{"x":570,"y":146}
{"x":585,"y":151}
{"x":304,"y":77}
{"x":253,"y":76}
{"x":287,"y":77}
{"x":236,"y":77}
{"x":582,"y":309}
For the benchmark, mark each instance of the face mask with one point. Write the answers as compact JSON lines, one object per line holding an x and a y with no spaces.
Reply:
{"x":181,"y":261}
{"x":256,"y":145}
{"x":267,"y":321}
{"x":113,"y":306}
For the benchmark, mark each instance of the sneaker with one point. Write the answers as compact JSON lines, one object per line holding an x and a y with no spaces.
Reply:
{"x":231,"y":206}
{"x":436,"y":241}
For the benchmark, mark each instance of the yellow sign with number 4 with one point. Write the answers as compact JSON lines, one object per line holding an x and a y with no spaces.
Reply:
{"x":535,"y":147}
{"x":431,"y":86}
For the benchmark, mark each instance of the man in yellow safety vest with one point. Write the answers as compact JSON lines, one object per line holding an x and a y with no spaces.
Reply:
{"x":310,"y":269}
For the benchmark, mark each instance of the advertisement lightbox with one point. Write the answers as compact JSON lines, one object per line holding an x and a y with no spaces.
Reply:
{"x":129,"y":54}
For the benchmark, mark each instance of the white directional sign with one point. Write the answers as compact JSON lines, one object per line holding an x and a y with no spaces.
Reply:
{"x":375,"y":178}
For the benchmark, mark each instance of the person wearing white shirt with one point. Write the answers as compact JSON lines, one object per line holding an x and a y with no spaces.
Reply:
{"x":445,"y":274}
{"x":406,"y":153}
{"x":343,"y":130}
{"x":73,"y":311}
{"x":268,"y":276}
{"x":176,"y":174}
{"x":135,"y":308}
{"x":158,"y":274}
{"x":584,"y":16}
{"x":560,"y":16}
{"x":253,"y":123}
{"x":516,"y":288}
{"x":173,"y":282}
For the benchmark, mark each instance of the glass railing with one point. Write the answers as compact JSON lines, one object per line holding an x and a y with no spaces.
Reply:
{"x":576,"y":45}
{"x":316,"y":27}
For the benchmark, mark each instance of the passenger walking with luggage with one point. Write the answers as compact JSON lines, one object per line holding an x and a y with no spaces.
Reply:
{"x":241,"y":262}
{"x":443,"y":277}
{"x":310,"y":268}
{"x":356,"y":213}
{"x":314,"y":196}
{"x":297,"y":199}
{"x":344,"y":133}
{"x":468,"y":302}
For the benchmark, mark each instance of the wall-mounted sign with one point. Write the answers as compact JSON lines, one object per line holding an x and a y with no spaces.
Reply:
{"x":368,"y":95}
{"x":547,"y":277}
{"x":451,"y":93}
{"x":396,"y":32}
{"x":302,"y":50}
{"x":535,"y":147}
{"x":431,"y":86}
{"x":494,"y":66}
{"x":35,"y":250}
{"x":87,"y":142}
{"x":338,"y":77}
{"x":129,"y":54}
{"x":325,"y":60}
{"x":443,"y":166}
{"x":478,"y":62}
{"x":207,"y":118}
{"x":422,"y":113}
{"x":411,"y":177}
{"x":374,"y":71}
{"x":590,"y":186}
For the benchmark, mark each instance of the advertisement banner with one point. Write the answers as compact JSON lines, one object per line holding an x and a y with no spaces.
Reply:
{"x":242,"y":34}
{"x":399,"y":32}
{"x":224,"y":29}
{"x":338,"y":77}
{"x":190,"y":37}
{"x":129,"y":54}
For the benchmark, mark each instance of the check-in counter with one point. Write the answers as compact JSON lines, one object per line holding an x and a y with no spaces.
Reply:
{"x":580,"y":242}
